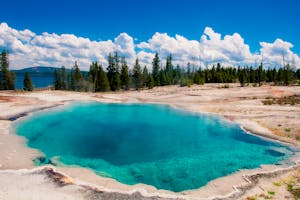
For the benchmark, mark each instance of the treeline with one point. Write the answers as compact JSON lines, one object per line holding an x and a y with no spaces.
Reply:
{"x":283,"y":76}
{"x":117,"y":75}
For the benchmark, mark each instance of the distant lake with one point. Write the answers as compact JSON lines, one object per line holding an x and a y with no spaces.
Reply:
{"x":39,"y":80}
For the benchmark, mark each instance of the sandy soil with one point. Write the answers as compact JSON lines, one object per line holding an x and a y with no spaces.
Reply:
{"x":240,"y":105}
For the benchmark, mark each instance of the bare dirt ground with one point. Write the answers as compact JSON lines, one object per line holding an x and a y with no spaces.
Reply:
{"x":256,"y":109}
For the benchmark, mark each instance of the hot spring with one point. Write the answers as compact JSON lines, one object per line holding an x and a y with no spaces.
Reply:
{"x":143,"y":143}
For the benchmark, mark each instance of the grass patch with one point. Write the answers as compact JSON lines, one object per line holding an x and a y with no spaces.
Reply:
{"x":271,"y":192}
{"x":278,"y":184}
{"x":268,"y":102}
{"x":251,"y":198}
{"x":295,"y":191}
{"x":265,"y":196}
{"x":289,"y":187}
{"x":287,"y":130}
{"x":224,"y":86}
{"x":286,"y":100}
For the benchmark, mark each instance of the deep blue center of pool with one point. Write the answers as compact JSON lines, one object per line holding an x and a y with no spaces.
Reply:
{"x":143,"y":143}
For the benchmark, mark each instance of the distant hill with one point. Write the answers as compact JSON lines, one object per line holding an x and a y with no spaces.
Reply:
{"x":37,"y":70}
{"x":40,"y":70}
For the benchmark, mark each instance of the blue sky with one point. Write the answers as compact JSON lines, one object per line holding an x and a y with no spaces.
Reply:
{"x":256,"y":20}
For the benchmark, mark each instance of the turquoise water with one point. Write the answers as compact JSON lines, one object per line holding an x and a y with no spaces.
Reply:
{"x":152,"y":144}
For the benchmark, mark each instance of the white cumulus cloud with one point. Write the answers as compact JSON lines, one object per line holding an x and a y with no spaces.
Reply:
{"x":279,"y":52}
{"x":49,"y":49}
{"x":27,"y":48}
{"x":211,"y":48}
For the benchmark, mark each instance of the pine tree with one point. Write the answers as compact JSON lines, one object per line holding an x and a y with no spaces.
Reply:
{"x":145,"y":76}
{"x":188,"y":70}
{"x":169,"y":70}
{"x":213,"y":74}
{"x":113,"y":73}
{"x":125,"y":80}
{"x":64,"y":75}
{"x":77,"y":79}
{"x":184,"y":81}
{"x":199,"y":77}
{"x":7,"y":78}
{"x":297,"y":75}
{"x":177,"y":74}
{"x":242,"y":77}
{"x":260,"y":74}
{"x":111,"y":70}
{"x":274,"y":72}
{"x":137,"y":75}
{"x":27,"y":82}
{"x":57,"y":80}
{"x":150,"y":82}
{"x":163,"y":78}
{"x":93,"y":77}
{"x":279,"y":76}
{"x":156,"y":70}
{"x":60,"y":79}
{"x":269,"y":77}
{"x":251,"y":75}
{"x":103,"y":84}
{"x":287,"y":74}
{"x":219,"y":74}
